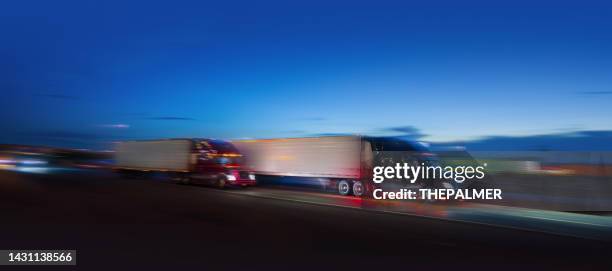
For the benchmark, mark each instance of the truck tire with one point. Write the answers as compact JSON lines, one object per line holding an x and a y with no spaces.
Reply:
{"x":344,"y":188}
{"x":126,"y":174}
{"x":359,"y":189}
{"x":184,"y":180}
{"x":220,"y":183}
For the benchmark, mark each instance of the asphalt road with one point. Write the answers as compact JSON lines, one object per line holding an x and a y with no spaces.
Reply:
{"x":117,"y":223}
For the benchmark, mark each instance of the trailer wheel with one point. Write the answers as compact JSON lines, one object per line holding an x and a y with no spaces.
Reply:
{"x":344,"y":188}
{"x":358,"y":188}
{"x":448,"y":185}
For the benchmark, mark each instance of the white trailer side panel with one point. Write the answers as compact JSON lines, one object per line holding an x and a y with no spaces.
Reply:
{"x":333,"y":156}
{"x":170,"y":155}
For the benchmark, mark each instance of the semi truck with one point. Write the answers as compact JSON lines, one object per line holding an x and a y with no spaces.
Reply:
{"x":203,"y":161}
{"x":345,"y":163}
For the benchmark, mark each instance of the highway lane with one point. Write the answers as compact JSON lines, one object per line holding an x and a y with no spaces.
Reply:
{"x":156,"y":223}
{"x":554,"y":222}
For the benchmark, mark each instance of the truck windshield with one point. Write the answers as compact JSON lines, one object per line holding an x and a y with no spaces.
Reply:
{"x":223,"y":146}
{"x":394,"y":144}
{"x":388,"y":151}
{"x":225,"y":153}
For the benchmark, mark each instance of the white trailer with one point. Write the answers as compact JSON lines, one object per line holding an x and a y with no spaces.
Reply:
{"x":206,"y":161}
{"x":155,"y":155}
{"x":343,"y":160}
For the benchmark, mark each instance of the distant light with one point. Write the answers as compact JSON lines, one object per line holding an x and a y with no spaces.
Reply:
{"x":6,"y":166}
{"x":33,"y":169}
{"x":6,"y":161}
{"x":33,"y":162}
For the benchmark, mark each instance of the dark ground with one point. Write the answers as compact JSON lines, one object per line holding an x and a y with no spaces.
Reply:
{"x":117,"y":223}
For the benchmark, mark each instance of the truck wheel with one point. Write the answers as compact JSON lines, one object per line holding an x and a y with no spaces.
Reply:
{"x":184,"y":180}
{"x":126,"y":174}
{"x":358,"y":188}
{"x":220,"y":183}
{"x":344,"y":188}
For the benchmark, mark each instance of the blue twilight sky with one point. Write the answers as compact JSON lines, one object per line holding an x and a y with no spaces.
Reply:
{"x":81,"y":73}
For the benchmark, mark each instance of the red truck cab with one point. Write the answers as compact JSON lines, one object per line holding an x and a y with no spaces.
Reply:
{"x":219,"y":163}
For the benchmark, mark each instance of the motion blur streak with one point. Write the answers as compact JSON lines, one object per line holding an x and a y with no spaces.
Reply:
{"x":533,"y":194}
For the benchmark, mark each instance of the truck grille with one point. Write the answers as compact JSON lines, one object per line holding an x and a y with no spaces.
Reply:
{"x":244,"y":175}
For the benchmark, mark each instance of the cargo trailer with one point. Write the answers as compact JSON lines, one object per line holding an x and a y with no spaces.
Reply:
{"x":345,"y":163}
{"x":206,"y":161}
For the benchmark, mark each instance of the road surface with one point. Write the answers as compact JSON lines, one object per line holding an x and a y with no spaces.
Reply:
{"x":154,"y":223}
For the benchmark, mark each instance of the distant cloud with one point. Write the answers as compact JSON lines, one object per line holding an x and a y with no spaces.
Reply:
{"x":72,"y":135}
{"x":57,"y":96}
{"x":410,"y":132}
{"x":67,"y":138}
{"x":596,"y":92}
{"x":170,"y":118}
{"x":115,"y":126}
{"x":596,"y":141}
